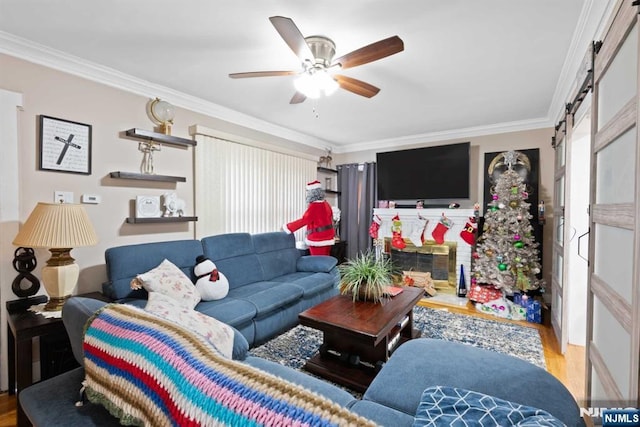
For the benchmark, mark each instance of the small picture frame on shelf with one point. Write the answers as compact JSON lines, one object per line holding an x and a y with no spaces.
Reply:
{"x":65,"y":146}
{"x":148,"y":207}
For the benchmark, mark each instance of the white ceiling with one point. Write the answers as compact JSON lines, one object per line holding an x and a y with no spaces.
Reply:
{"x":469,"y":67}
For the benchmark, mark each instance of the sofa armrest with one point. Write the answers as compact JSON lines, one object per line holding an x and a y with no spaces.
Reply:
{"x":316,"y":263}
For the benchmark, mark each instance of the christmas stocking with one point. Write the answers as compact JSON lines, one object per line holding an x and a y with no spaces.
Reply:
{"x":417,"y":234}
{"x":375,"y":226}
{"x":444,"y":224}
{"x":468,"y":233}
{"x":396,"y":231}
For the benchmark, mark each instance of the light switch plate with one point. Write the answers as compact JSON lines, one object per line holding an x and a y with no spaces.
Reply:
{"x":63,"y":196}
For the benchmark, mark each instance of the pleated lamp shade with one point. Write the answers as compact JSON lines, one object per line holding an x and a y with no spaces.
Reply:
{"x":59,"y":227}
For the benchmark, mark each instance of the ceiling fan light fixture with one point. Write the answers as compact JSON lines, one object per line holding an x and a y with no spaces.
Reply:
{"x":315,"y":83}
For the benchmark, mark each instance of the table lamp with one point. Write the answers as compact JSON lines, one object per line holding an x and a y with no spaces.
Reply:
{"x":59,"y":227}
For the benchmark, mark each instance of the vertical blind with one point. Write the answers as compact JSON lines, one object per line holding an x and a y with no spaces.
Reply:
{"x":242,"y":188}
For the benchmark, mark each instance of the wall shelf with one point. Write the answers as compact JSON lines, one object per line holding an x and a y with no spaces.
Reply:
{"x":133,"y":220}
{"x":159,"y":137}
{"x":326,"y":170}
{"x":146,"y":177}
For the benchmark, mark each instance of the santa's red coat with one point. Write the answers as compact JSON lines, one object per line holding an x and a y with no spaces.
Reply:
{"x":319,"y":221}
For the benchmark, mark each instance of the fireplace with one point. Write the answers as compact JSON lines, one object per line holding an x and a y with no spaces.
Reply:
{"x":459,"y":251}
{"x":439,"y":260}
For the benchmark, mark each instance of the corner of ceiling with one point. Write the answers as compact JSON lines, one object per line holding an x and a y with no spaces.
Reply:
{"x":590,"y":26}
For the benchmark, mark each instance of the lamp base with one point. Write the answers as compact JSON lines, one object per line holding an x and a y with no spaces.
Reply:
{"x":55,"y":303}
{"x":60,"y":277}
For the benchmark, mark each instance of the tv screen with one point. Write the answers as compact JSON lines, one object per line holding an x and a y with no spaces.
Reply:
{"x":429,"y":173}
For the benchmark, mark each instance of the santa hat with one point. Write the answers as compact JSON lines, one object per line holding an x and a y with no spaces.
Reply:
{"x":313,"y":185}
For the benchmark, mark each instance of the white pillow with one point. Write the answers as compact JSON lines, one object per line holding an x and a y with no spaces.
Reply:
{"x":169,"y":280}
{"x":219,"y":334}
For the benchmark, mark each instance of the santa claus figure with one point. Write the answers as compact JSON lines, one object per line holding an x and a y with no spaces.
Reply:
{"x":319,"y":221}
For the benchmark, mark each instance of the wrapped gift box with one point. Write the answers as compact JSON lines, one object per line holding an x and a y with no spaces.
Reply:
{"x":484,"y":293}
{"x":534,"y":311}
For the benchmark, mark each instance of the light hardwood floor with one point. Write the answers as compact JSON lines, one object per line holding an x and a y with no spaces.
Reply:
{"x":568,"y":368}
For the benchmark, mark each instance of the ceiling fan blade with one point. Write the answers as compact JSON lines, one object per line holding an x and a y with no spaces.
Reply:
{"x":261,"y":74}
{"x":370,"y":53}
{"x":293,"y":37}
{"x":356,"y":86}
{"x":298,"y":98}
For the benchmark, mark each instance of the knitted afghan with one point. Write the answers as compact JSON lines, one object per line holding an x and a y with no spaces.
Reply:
{"x":149,"y":371}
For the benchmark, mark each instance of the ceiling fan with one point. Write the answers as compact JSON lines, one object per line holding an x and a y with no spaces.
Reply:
{"x":316,"y":54}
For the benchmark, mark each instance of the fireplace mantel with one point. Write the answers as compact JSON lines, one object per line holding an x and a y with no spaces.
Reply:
{"x":410,"y":220}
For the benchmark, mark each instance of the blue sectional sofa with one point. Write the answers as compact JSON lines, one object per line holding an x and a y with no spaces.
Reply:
{"x":395,"y":398}
{"x":270,"y":281}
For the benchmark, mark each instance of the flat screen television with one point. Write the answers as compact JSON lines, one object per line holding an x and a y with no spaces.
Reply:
{"x":437,"y":174}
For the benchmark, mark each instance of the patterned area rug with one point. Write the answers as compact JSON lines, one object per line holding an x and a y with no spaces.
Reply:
{"x":295,"y":346}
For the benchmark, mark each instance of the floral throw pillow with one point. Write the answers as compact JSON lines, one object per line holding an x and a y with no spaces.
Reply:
{"x":219,"y":335}
{"x":169,"y":280}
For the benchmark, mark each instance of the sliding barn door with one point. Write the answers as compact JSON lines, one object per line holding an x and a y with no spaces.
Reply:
{"x":613,"y":313}
{"x":558,"y":300}
{"x":567,"y":296}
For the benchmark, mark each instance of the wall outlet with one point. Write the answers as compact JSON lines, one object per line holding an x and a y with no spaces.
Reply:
{"x":62,"y":196}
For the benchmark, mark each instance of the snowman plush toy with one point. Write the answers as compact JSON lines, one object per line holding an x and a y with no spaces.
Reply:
{"x":210,"y":283}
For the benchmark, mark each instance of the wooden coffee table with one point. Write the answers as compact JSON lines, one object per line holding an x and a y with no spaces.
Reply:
{"x":359,"y":336}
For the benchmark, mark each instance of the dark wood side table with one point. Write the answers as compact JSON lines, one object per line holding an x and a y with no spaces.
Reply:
{"x":22,"y":326}
{"x":358,"y":337}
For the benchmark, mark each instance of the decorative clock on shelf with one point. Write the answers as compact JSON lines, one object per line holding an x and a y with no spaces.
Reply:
{"x":65,"y":146}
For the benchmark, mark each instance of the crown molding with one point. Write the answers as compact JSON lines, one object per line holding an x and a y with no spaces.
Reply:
{"x":446,"y":135}
{"x":61,"y":61}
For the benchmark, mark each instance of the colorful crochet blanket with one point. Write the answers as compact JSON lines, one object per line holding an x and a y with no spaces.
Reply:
{"x":149,"y":371}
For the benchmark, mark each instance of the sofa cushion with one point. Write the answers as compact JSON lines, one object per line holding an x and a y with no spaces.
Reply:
{"x":310,"y":283}
{"x":404,"y":371}
{"x":219,"y":335}
{"x":51,"y":403}
{"x":169,"y":280}
{"x":232,"y":311}
{"x":235,"y":256}
{"x":277,"y":253}
{"x":382,"y":415}
{"x":456,"y":406}
{"x":316,"y":263}
{"x":126,"y":262}
{"x":267,"y":296}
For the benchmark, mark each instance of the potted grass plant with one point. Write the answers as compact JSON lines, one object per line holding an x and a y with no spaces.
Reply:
{"x":365,"y":277}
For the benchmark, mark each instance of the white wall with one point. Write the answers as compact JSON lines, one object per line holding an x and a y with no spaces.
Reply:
{"x":110,"y":112}
{"x":10,"y":104}
{"x":537,"y":138}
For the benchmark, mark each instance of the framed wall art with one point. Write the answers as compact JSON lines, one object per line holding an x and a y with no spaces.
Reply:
{"x":65,"y":146}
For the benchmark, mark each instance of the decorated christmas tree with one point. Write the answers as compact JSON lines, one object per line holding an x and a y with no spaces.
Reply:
{"x":506,"y":253}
